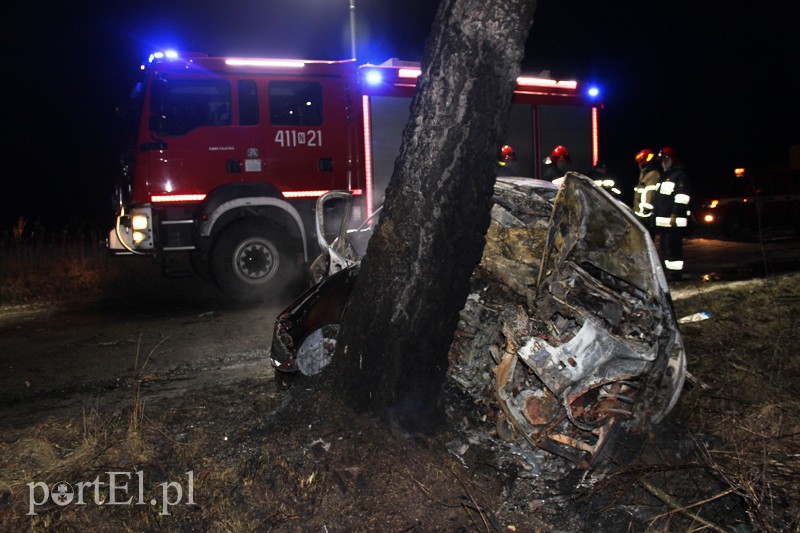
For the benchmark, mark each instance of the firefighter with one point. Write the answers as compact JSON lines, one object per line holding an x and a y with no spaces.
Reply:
{"x":671,"y":210}
{"x":505,"y":161}
{"x":556,"y":164}
{"x":599,"y":174}
{"x":643,"y":193}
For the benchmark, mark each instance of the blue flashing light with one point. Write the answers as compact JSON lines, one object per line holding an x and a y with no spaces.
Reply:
{"x":166,"y":54}
{"x":593,"y":92}
{"x":373,"y":77}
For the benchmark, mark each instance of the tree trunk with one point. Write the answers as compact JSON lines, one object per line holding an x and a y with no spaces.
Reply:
{"x":391,"y":358}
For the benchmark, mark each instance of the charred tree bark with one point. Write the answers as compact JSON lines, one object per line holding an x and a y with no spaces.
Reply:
{"x":391,"y":358}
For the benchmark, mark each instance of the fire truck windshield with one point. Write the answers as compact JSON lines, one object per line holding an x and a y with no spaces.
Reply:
{"x":182,"y":105}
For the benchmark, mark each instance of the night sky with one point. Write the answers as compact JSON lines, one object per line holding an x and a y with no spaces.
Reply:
{"x":717,"y":81}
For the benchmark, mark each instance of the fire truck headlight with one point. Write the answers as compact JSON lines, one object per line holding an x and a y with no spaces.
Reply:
{"x":139,"y":222}
{"x":139,"y":236}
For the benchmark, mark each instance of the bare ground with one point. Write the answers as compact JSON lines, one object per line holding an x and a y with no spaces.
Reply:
{"x":274,"y":453}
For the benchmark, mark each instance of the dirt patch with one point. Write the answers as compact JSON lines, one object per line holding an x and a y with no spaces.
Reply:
{"x":282,"y":454}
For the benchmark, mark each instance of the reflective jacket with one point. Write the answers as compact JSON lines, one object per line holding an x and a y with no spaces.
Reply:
{"x":672,"y":198}
{"x":645,"y":190}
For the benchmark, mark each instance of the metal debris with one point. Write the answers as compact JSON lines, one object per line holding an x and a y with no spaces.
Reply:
{"x":578,"y":341}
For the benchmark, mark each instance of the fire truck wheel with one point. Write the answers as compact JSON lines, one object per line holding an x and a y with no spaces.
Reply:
{"x":249,"y":261}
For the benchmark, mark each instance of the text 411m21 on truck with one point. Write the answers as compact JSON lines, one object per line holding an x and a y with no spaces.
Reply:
{"x":227,"y":156}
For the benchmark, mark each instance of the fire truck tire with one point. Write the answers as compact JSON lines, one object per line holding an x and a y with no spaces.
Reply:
{"x":250,"y":262}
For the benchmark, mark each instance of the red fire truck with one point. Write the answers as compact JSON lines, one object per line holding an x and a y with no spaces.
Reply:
{"x":228,"y":156}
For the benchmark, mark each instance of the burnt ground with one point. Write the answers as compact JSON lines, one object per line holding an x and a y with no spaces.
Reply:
{"x":172,"y":380}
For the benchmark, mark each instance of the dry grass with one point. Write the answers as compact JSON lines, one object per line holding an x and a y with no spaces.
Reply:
{"x":38,"y":263}
{"x":252,"y":471}
{"x":746,"y":359}
{"x":69,"y":265}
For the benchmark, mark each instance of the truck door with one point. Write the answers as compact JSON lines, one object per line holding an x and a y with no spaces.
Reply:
{"x":192,"y":136}
{"x":308,"y":141}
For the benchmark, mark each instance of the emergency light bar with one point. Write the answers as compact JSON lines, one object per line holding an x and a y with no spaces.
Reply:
{"x":409,"y":73}
{"x":523,"y":81}
{"x":234,"y":61}
{"x":527,"y":81}
{"x":167,"y":54}
{"x":286,"y":63}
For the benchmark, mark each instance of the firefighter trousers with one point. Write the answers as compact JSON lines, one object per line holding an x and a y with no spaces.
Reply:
{"x":672,"y":251}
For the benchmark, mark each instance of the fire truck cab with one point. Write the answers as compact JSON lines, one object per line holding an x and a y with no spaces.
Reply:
{"x":227,"y":156}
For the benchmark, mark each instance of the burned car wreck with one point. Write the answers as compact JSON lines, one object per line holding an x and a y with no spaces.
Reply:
{"x":568,"y":332}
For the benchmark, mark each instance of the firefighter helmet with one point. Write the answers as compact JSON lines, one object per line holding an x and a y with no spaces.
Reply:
{"x":667,"y":152}
{"x":559,"y":153}
{"x":644,"y":156}
{"x":507,"y":153}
